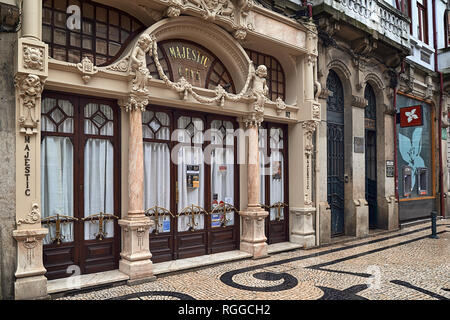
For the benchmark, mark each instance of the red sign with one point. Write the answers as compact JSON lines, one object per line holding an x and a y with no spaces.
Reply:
{"x":411,"y":116}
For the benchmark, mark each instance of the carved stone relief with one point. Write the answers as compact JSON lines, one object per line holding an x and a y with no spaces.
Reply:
{"x":309,"y":127}
{"x":33,"y":217}
{"x":29,"y":89}
{"x":33,"y":57}
{"x":231,"y":12}
{"x":87,"y":68}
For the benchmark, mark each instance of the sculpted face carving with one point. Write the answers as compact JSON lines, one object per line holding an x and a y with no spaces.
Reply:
{"x":30,"y":88}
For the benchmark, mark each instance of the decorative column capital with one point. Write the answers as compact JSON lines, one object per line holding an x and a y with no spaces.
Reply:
{"x":134,"y":102}
{"x":252,"y":119}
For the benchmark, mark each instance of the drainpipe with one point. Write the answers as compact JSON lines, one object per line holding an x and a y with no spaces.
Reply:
{"x":402,"y":70}
{"x":441,"y":80}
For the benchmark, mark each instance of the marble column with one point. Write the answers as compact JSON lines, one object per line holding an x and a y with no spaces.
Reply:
{"x":31,"y":73}
{"x":135,"y":226}
{"x":253,"y":239}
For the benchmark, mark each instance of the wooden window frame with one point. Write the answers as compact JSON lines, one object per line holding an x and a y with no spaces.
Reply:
{"x":255,"y":56}
{"x":422,"y":12}
{"x":109,"y":58}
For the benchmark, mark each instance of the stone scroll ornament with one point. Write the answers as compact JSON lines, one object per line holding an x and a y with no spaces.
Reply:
{"x":29,"y":88}
{"x":33,"y":217}
{"x":255,"y":88}
{"x":232,"y":12}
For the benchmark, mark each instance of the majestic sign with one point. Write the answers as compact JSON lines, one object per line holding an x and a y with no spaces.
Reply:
{"x":189,"y":61}
{"x":195,"y":64}
{"x":411,"y":116}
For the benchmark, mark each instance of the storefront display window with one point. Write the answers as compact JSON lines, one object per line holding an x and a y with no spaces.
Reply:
{"x":415,"y":156}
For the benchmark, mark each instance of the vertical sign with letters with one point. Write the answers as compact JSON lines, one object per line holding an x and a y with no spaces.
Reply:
{"x":27,"y":160}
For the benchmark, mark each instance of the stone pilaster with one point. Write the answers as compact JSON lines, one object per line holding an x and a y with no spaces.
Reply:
{"x":31,"y":71}
{"x":324,"y":210}
{"x":253,"y":239}
{"x":301,"y":206}
{"x":356,"y":207}
{"x":135,"y":226}
{"x":387,"y":211}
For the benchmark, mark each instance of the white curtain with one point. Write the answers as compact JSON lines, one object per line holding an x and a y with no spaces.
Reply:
{"x":190,"y":155}
{"x":98,"y":185}
{"x":276,"y":165}
{"x":57,"y":184}
{"x":222,"y":167}
{"x":157,"y":180}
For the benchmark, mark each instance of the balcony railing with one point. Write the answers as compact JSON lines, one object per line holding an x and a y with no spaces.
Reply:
{"x":375,"y":14}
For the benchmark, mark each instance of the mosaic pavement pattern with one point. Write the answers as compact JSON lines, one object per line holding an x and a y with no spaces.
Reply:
{"x":404,"y":265}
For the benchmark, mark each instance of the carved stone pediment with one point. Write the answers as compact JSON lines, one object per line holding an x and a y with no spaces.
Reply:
{"x":231,"y":12}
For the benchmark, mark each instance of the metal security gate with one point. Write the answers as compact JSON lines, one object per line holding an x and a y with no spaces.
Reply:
{"x":335,"y":152}
{"x":371,"y":155}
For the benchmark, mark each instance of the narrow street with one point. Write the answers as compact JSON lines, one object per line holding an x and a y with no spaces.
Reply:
{"x":403,"y":265}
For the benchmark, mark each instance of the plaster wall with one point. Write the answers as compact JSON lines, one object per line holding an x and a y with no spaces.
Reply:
{"x":7,"y":166}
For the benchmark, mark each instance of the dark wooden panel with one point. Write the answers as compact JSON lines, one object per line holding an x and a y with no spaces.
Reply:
{"x":191,"y":240}
{"x":58,"y":256}
{"x":222,"y":240}
{"x":191,"y":245}
{"x":57,"y":259}
{"x":100,"y":266}
{"x":161,"y":247}
{"x":99,"y":250}
{"x":277,"y":232}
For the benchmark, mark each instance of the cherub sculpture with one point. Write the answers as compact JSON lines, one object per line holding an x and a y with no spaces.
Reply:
{"x":139,"y":63}
{"x":259,"y":87}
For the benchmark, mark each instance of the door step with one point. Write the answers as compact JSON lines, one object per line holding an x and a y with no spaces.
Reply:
{"x":85,"y":281}
{"x":282,"y":246}
{"x":201,"y":261}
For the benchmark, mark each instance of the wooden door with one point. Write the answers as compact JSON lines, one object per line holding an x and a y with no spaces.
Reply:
{"x":74,"y":162}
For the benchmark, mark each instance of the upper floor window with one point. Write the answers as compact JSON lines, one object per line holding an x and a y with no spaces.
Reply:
{"x":75,"y":29}
{"x":275,"y":74}
{"x":422,"y":21}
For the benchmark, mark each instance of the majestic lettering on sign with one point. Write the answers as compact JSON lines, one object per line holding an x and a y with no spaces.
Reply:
{"x":188,"y":54}
{"x":27,"y":166}
{"x":191,"y":62}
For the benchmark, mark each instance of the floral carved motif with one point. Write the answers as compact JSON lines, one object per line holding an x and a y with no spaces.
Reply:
{"x":33,"y":57}
{"x":29,"y":93}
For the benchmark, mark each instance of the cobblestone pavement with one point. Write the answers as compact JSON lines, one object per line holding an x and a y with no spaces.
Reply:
{"x":404,"y":265}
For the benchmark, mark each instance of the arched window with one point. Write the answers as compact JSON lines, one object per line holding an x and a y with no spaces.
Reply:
{"x":275,"y":74}
{"x":335,"y":152}
{"x":75,"y":29}
{"x":370,"y":112}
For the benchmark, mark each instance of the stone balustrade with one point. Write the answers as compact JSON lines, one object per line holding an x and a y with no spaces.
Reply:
{"x":374,"y":14}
